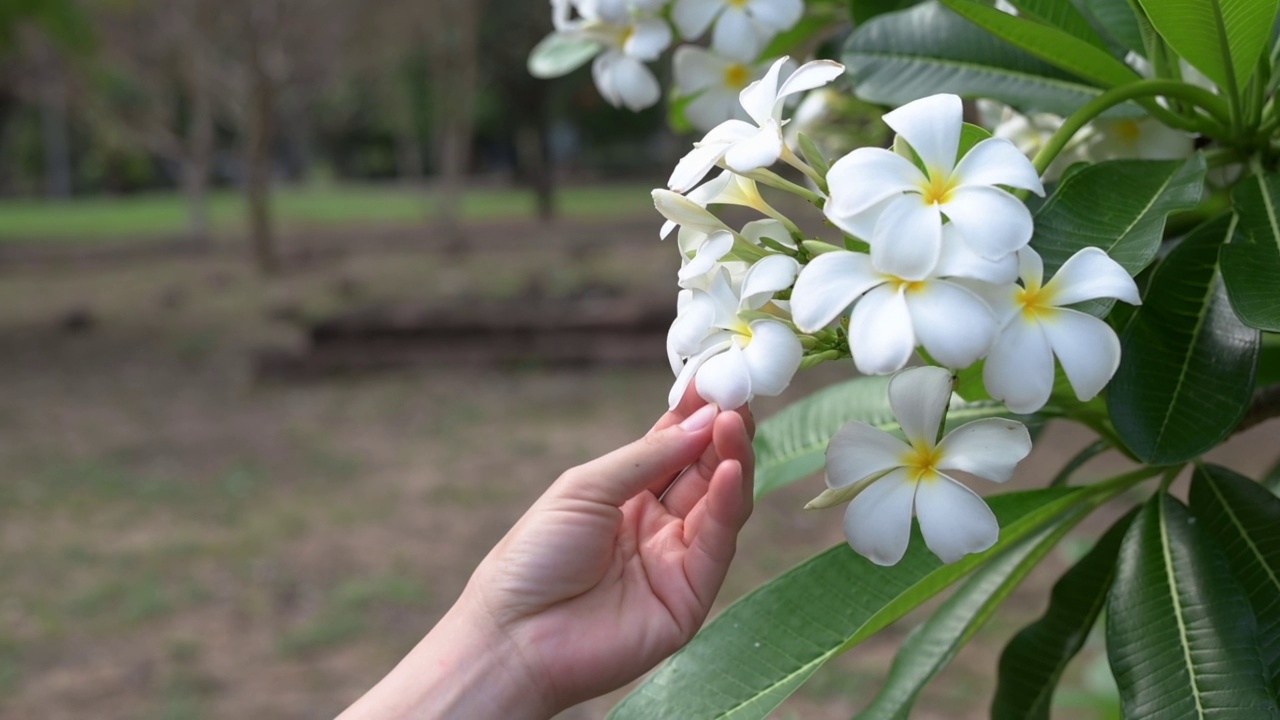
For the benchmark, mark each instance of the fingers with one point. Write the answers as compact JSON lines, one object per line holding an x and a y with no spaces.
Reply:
{"x":729,"y":442}
{"x":711,"y":532}
{"x":617,"y":477}
{"x":686,"y":407}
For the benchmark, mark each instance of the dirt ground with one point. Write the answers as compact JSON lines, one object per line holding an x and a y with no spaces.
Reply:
{"x":179,"y":540}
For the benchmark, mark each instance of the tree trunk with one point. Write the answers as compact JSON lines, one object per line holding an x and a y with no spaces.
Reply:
{"x":54,"y":131}
{"x":199,"y":155}
{"x":456,"y":72}
{"x":531,"y":153}
{"x":258,"y":142}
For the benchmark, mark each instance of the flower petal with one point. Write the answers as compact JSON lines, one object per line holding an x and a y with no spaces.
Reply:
{"x":954,"y":520}
{"x":679,"y":209}
{"x":695,"y":165}
{"x":696,"y":69}
{"x":958,"y":260}
{"x":1087,"y":348}
{"x":647,"y":39}
{"x":858,"y":451}
{"x":737,"y":36}
{"x":867,"y":176}
{"x":828,"y":285}
{"x":602,"y":73}
{"x":777,"y":14}
{"x":759,"y":151}
{"x":992,"y":221}
{"x":952,"y":324}
{"x":758,"y":230}
{"x":714,"y":105}
{"x":773,"y":357}
{"x":690,"y":369}
{"x":863,"y":224}
{"x":716,"y":246}
{"x":877,"y":522}
{"x":758,"y":97}
{"x":1030,"y":267}
{"x":766,"y":277}
{"x":693,"y":17}
{"x":881,"y":337}
{"x":725,"y":379}
{"x":1019,"y":368}
{"x":996,"y":161}
{"x":692,"y":325}
{"x":919,"y":397}
{"x":1090,"y":274}
{"x":932,"y":126}
{"x":811,"y":75}
{"x":908,"y":238}
{"x":990,"y":448}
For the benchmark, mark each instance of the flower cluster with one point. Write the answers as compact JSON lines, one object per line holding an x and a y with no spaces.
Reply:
{"x":934,"y":258}
{"x":623,"y":35}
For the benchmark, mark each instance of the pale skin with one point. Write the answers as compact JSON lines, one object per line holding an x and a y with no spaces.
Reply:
{"x":613,"y":569}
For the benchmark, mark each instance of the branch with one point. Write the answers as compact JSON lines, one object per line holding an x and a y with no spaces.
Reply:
{"x":1265,"y":405}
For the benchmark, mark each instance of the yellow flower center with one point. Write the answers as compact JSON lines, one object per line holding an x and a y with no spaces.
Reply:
{"x":1036,"y":304}
{"x":625,"y":34}
{"x":921,"y":463}
{"x":738,"y":3}
{"x":736,"y":76}
{"x":906,"y":286}
{"x":1127,"y":130}
{"x":938,"y":189}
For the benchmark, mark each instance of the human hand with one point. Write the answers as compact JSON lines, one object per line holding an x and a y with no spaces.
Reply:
{"x":617,"y":565}
{"x":610,"y":571}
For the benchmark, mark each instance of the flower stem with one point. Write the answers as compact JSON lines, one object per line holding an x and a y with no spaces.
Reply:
{"x":1115,"y":96}
{"x":774,"y":180}
{"x":790,"y":158}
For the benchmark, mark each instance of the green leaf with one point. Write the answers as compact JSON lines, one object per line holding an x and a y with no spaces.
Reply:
{"x":1187,"y":363}
{"x":1220,"y":38}
{"x":933,"y":644}
{"x":928,"y":49}
{"x":1244,"y":519}
{"x":1034,"y":660}
{"x":1119,"y":206}
{"x":1049,"y":44}
{"x":764,"y":646}
{"x":1180,"y":635}
{"x":557,"y":55}
{"x":793,"y":443}
{"x":1115,"y":18}
{"x":1251,"y":269}
{"x":863,"y":10}
{"x":1061,"y":15}
{"x":799,"y":39}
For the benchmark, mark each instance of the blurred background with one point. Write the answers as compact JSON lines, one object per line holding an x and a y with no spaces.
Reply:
{"x":302,"y":302}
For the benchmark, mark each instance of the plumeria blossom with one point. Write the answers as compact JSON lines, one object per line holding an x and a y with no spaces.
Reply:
{"x":885,"y":199}
{"x":727,"y":188}
{"x":893,"y":479}
{"x":734,"y":358}
{"x":1036,"y":326}
{"x":713,"y":81}
{"x":742,"y":27}
{"x":892,"y":315}
{"x":1138,"y":138}
{"x":627,"y":36}
{"x":703,"y":255}
{"x":743,"y":146}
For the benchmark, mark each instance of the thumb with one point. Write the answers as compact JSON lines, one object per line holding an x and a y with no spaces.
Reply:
{"x":617,"y":477}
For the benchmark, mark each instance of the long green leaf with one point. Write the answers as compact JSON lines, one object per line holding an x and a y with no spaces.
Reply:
{"x":1061,"y":15}
{"x":903,"y":56}
{"x":1244,"y":518}
{"x":1187,"y":366}
{"x":1137,"y":196}
{"x":860,"y":11}
{"x":1180,"y":635}
{"x":793,"y":443}
{"x":1220,"y":38}
{"x":764,"y":646}
{"x":1034,"y":660}
{"x":1251,"y":269}
{"x":1049,"y":44}
{"x":933,"y":644}
{"x":1115,"y":18}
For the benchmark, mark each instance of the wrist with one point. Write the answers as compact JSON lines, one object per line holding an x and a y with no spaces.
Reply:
{"x":465,"y":668}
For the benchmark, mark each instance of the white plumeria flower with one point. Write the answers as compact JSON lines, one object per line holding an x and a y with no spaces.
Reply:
{"x":702,"y":255}
{"x":728,"y":188}
{"x":893,"y":478}
{"x":626,"y":36}
{"x":743,"y":27}
{"x":884,"y":198}
{"x":714,"y":83}
{"x":892,"y":315}
{"x":742,"y":146}
{"x":1036,"y":326}
{"x":734,"y":359}
{"x":1135,"y":138}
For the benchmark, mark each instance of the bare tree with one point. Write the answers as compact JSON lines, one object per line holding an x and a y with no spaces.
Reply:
{"x":454,"y":73}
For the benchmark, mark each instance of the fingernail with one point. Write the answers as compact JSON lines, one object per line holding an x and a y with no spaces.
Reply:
{"x":701,"y":418}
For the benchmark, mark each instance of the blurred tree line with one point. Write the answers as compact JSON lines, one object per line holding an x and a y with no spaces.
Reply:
{"x":126,"y":95}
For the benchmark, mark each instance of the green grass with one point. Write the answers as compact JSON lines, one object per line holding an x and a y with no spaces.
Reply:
{"x":156,"y":215}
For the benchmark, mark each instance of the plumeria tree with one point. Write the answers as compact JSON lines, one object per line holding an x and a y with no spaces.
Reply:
{"x":1076,"y":220}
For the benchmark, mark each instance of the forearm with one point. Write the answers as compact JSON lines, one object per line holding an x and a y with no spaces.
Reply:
{"x":459,"y":670}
